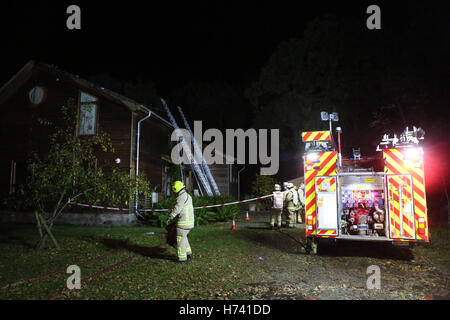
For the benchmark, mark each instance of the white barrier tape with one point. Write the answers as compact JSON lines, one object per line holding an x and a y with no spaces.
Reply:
{"x":162,"y":210}
{"x":214,"y":205}
{"x":98,"y":207}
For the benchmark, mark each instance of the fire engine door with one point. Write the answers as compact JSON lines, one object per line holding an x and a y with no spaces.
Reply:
{"x":401,"y":206}
{"x":326,"y":204}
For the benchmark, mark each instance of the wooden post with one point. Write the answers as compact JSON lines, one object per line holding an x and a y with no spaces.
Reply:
{"x":49,"y":233}
{"x":38,"y":224}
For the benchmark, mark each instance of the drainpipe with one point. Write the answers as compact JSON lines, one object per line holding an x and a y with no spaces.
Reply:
{"x":137,"y":153}
{"x":239,"y":182}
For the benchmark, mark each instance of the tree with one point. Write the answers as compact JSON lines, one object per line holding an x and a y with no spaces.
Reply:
{"x":323,"y":71}
{"x":263,"y":185}
{"x":68,"y":171}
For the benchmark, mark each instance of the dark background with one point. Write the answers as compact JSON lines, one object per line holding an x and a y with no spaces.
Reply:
{"x":236,"y":64}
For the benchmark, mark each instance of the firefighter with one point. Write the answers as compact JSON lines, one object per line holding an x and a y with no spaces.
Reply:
{"x":297,"y":207}
{"x":302,"y":202}
{"x":291,"y":204}
{"x":277,"y":208}
{"x":183,"y":215}
{"x":284,"y":213}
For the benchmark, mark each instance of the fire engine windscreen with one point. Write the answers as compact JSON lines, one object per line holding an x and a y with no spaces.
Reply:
{"x":362,"y":205}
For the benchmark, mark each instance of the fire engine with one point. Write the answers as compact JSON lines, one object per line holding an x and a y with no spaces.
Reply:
{"x":365,"y":199}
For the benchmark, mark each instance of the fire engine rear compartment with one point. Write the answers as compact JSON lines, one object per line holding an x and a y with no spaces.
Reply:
{"x":362,"y":209}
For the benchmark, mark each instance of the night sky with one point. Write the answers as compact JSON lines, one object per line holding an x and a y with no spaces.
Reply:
{"x":170,"y":42}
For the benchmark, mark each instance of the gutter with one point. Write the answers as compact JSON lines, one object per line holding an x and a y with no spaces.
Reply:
{"x":137,"y":152}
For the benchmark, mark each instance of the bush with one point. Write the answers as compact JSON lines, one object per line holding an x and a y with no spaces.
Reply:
{"x":202,"y":216}
{"x":261,"y":186}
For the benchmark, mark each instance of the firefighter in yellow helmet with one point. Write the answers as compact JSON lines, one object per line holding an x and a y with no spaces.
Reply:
{"x":183,"y":215}
{"x":291,"y":203}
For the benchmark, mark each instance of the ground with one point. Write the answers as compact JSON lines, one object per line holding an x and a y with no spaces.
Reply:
{"x":251,"y":262}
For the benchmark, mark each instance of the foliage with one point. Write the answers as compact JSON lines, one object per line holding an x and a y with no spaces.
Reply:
{"x":116,"y":188}
{"x":202,"y":216}
{"x":263,"y":185}
{"x":69,"y":170}
{"x":174,"y":173}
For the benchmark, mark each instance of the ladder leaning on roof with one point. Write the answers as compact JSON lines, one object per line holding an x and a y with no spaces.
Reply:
{"x":195,"y":167}
{"x":198,"y":152}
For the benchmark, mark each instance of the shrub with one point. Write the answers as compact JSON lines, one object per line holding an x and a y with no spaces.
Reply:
{"x":202,"y":215}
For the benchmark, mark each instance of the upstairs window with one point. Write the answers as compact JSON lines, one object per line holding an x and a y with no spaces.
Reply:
{"x":37,"y":95}
{"x":88,"y":114}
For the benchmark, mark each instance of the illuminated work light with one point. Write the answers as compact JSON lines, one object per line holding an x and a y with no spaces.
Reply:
{"x":412,"y":153}
{"x":313,"y":157}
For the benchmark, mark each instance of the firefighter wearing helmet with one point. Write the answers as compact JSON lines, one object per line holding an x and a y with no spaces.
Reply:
{"x":277,"y":208}
{"x":291,"y":203}
{"x":183,"y":215}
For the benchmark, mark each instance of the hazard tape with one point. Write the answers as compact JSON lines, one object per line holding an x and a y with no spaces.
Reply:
{"x":98,"y":207}
{"x":215,"y":205}
{"x":162,"y":210}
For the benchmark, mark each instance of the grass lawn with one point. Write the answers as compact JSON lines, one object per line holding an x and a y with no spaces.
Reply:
{"x":220,"y":262}
{"x":250,"y":263}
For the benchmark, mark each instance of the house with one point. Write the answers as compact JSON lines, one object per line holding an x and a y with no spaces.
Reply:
{"x":39,"y":90}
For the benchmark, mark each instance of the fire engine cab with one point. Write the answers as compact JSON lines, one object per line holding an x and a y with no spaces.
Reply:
{"x":366,"y":199}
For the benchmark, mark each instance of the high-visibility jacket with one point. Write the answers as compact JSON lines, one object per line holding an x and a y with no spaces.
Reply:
{"x":278,"y":200}
{"x":183,"y":211}
{"x":291,"y":199}
{"x":301,"y":196}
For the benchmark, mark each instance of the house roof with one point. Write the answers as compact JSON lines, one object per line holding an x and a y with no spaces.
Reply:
{"x":26,"y":72}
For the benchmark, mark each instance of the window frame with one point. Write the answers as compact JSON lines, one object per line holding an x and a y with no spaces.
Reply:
{"x":80,"y":104}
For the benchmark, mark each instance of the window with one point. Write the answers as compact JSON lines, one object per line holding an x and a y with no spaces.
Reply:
{"x":37,"y":95}
{"x":88,"y":114}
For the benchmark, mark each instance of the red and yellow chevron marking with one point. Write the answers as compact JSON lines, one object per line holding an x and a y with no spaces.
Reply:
{"x":395,"y":207}
{"x":327,"y":232}
{"x":397,"y":163}
{"x":325,"y":166}
{"x":326,"y":184}
{"x":316,"y":136}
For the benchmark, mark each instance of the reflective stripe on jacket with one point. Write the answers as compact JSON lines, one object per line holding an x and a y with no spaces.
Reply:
{"x":289,"y":199}
{"x":184,"y":210}
{"x":278,"y":200}
{"x":301,"y":196}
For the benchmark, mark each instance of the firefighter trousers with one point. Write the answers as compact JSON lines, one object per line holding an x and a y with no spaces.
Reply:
{"x":300,"y":213}
{"x":275,"y":216}
{"x":291,"y":213}
{"x":183,"y":247}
